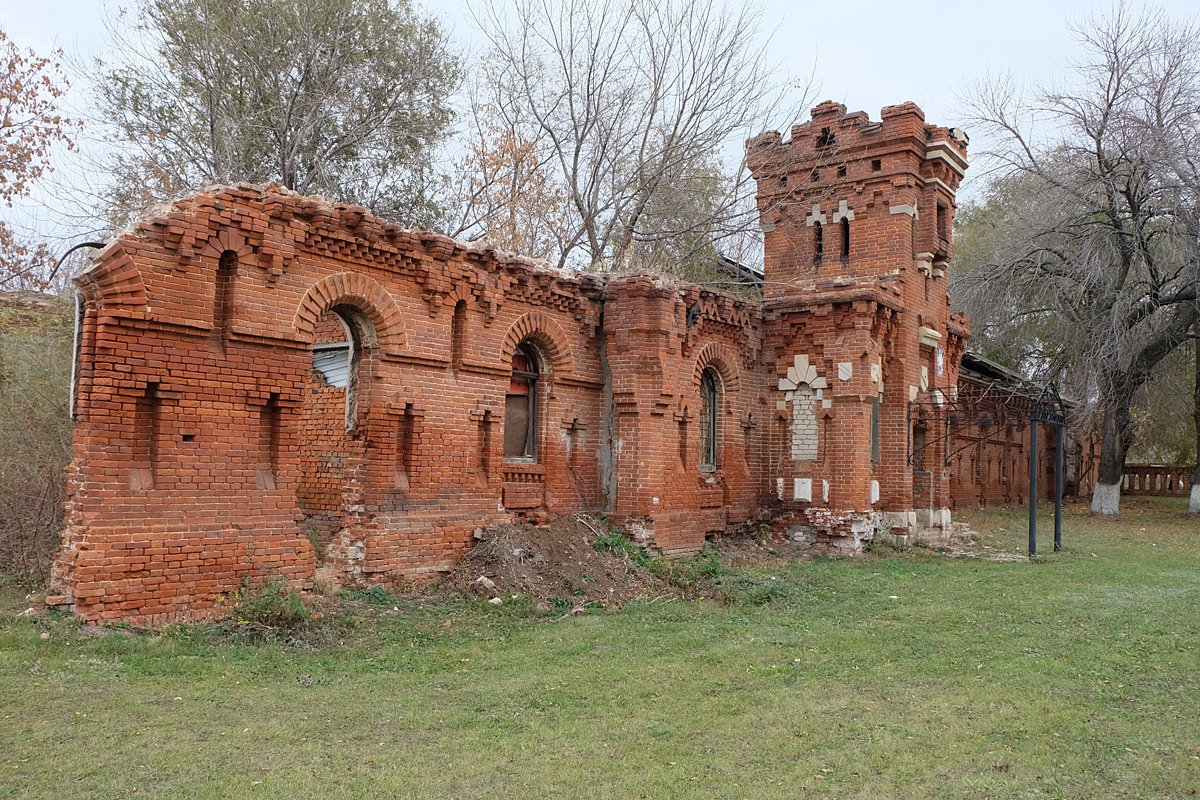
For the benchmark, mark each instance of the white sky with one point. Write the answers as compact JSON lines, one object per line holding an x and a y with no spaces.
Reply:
{"x":867,"y":54}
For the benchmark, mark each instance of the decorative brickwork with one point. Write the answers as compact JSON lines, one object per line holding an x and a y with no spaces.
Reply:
{"x":274,"y":384}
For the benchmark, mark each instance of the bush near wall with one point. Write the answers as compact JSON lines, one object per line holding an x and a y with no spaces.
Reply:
{"x":35,"y":430}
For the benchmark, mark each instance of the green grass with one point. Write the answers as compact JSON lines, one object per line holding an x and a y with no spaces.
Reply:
{"x":1074,"y":676}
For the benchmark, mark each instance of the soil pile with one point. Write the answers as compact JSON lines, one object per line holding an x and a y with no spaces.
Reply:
{"x":551,"y":562}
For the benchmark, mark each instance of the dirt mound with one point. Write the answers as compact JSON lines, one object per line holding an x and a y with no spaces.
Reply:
{"x":549,"y":563}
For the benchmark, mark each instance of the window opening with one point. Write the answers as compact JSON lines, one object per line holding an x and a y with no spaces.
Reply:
{"x":875,"y":430}
{"x":268,"y":443}
{"x":683,"y":442}
{"x":333,"y":349}
{"x":146,"y":451}
{"x":826,"y":139}
{"x":943,"y":219}
{"x":876,"y":164}
{"x":815,"y":176}
{"x":458,"y":335}
{"x":708,"y":420}
{"x":520,"y":407}
{"x":223,"y":293}
{"x":818,"y":242}
{"x":845,"y":230}
{"x":841,"y":172}
{"x":483,"y":444}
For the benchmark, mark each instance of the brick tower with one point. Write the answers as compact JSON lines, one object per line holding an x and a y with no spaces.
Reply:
{"x":857,"y":220}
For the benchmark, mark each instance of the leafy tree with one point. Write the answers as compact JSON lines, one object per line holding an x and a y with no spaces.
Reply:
{"x":347,"y":98}
{"x":30,"y":126}
{"x":1087,"y":242}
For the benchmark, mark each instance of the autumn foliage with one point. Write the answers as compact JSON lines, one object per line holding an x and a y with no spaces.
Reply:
{"x":30,"y":126}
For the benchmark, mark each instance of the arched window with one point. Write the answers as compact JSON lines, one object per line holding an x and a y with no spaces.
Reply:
{"x":708,"y":420}
{"x":521,"y":406}
{"x":337,"y":346}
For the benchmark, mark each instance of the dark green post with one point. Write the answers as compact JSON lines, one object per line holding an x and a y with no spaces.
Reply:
{"x":1033,"y":488}
{"x":1058,"y":487}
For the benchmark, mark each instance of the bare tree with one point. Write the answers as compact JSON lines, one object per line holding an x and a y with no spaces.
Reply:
{"x":1099,"y":252}
{"x":632,"y":107}
{"x":342,"y":97}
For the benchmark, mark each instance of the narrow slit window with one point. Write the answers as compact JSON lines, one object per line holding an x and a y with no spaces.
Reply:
{"x":875,"y":430}
{"x":818,"y":242}
{"x":520,"y":407}
{"x":269,"y":430}
{"x":458,"y":335}
{"x":223,"y":292}
{"x":708,"y":420}
{"x":845,"y":231}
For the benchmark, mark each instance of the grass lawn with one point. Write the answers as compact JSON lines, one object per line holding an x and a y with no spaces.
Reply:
{"x":889,"y":676}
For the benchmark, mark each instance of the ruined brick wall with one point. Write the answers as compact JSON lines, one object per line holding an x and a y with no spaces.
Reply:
{"x":217,"y":440}
{"x":276,"y":385}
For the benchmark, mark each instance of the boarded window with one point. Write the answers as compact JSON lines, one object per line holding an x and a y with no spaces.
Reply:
{"x":520,"y":407}
{"x":708,"y":419}
{"x":332,"y":350}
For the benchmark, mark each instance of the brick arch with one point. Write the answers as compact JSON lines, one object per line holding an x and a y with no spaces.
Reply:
{"x":228,"y":239}
{"x":114,"y":281}
{"x":461,"y":292}
{"x":349,"y":288}
{"x":545,"y":332}
{"x":723,"y":361}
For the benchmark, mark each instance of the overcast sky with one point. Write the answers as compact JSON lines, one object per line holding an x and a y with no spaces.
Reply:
{"x":867,"y":55}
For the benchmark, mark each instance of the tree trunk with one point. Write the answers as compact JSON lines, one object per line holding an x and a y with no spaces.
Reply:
{"x":1106,"y":497}
{"x":1194,"y":503}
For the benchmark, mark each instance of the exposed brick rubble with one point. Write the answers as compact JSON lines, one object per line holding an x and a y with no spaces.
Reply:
{"x":270,"y":383}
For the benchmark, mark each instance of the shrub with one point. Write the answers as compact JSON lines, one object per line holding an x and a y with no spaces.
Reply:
{"x":273,"y":603}
{"x":35,"y":430}
{"x":614,"y":541}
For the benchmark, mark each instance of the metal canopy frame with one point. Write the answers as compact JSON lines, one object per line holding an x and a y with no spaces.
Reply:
{"x":996,"y":406}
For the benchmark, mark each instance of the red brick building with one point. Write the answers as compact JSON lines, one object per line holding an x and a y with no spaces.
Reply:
{"x":274,"y":384}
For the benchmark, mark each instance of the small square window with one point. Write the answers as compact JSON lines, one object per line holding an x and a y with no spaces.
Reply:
{"x":876,"y":165}
{"x":841,"y":172}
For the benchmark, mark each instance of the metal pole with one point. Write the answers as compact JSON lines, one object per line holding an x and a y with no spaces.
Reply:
{"x":1033,"y":461}
{"x":1058,"y":487}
